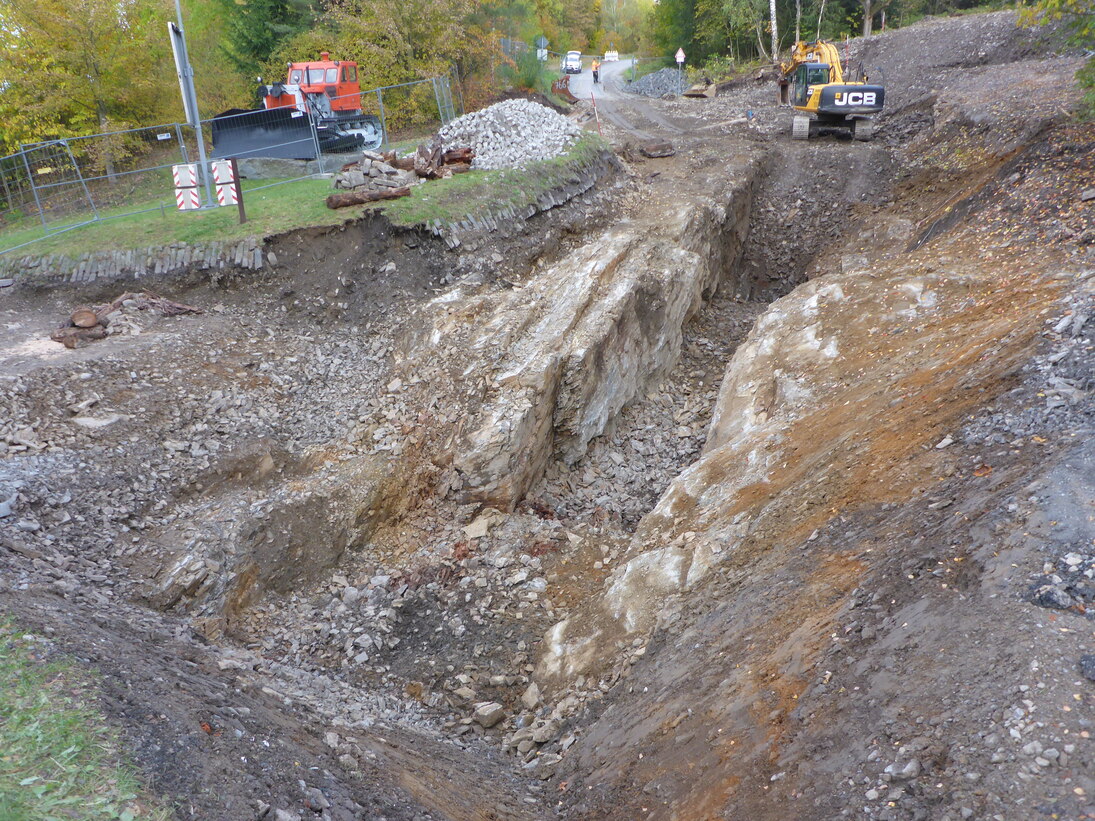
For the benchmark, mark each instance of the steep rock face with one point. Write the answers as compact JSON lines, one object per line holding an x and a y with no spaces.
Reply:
{"x":567,"y":351}
{"x":883,"y":657}
{"x":487,"y":387}
{"x":233,"y":544}
{"x":829,"y":612}
{"x":831,"y":399}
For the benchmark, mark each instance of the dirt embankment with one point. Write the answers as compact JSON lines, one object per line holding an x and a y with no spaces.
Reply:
{"x":545,"y":528}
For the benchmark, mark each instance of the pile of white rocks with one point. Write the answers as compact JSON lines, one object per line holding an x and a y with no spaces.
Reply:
{"x":511,"y":134}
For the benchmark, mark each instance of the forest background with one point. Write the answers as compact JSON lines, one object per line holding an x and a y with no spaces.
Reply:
{"x":75,"y":67}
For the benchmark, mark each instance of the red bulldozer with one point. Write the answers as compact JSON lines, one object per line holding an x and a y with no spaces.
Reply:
{"x":319,"y":104}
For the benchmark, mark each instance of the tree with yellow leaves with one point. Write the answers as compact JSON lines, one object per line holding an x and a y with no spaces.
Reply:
{"x":75,"y":67}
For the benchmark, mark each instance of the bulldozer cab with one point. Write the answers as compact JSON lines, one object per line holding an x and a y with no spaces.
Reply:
{"x":809,"y":74}
{"x":315,"y":76}
{"x":335,"y":79}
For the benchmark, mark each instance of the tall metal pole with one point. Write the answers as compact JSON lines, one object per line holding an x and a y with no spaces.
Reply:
{"x":186,"y":78}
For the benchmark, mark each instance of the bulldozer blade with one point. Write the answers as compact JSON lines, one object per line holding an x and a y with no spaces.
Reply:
{"x":284,"y":133}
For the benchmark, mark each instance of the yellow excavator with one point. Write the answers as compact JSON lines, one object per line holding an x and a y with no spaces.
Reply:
{"x":812,"y":81}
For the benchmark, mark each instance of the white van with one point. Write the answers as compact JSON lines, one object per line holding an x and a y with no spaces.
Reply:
{"x":572,"y":63}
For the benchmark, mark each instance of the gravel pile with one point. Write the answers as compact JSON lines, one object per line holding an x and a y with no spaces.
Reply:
{"x":511,"y":134}
{"x":659,"y":83}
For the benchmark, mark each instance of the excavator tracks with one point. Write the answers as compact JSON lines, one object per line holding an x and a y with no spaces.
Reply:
{"x":863,"y":129}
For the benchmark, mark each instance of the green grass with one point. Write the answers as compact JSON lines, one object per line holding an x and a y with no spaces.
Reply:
{"x":478,"y":192}
{"x":904,"y":18}
{"x":1086,"y":78}
{"x":58,"y":759}
{"x":295,"y":204}
{"x":529,"y":73}
{"x":722,"y":69}
{"x":301,"y":203}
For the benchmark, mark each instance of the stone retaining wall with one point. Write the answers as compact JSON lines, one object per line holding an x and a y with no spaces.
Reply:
{"x":471,"y":232}
{"x":165,"y":261}
{"x":252,"y":253}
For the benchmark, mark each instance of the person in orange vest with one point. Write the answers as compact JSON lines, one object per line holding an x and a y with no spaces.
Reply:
{"x":596,"y":71}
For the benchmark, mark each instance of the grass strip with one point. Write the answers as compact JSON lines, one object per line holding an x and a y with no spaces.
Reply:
{"x":293,"y":204}
{"x":58,"y":757}
{"x":477,"y":193}
{"x":301,"y":204}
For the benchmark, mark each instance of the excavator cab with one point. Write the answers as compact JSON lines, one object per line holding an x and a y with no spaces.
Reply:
{"x":334,"y":79}
{"x":809,"y":74}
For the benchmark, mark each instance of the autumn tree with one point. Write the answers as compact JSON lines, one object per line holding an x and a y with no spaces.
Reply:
{"x":82,"y":66}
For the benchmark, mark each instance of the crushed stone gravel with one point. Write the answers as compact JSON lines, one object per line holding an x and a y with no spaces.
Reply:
{"x":659,"y":83}
{"x":511,"y":134}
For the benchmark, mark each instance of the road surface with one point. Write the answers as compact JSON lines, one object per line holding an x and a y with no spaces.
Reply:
{"x":582,"y":84}
{"x":629,"y":112}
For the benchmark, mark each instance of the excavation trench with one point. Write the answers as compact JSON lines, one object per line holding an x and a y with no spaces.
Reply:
{"x":489,"y":392}
{"x":595,"y":530}
{"x":480,"y":441}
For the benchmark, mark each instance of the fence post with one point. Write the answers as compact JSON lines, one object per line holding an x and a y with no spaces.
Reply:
{"x":437,"y":99}
{"x":383,"y":119}
{"x":80,"y":177}
{"x":445,"y":84}
{"x":7,"y":191}
{"x":459,"y":90}
{"x":315,"y":138}
{"x":34,"y":189}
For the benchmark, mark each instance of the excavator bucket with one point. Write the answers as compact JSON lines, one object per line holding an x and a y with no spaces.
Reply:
{"x":278,"y":132}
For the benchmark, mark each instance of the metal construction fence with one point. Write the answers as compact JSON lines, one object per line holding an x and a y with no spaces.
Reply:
{"x":512,"y":48}
{"x":54,"y":186}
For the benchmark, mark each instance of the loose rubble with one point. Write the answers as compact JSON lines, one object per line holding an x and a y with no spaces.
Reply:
{"x":374,"y":172}
{"x":511,"y":134}
{"x":665,"y":82}
{"x":919,"y":648}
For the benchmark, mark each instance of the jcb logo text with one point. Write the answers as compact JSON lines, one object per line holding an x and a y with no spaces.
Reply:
{"x":855,"y":98}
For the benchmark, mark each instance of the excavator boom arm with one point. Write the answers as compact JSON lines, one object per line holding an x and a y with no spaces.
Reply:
{"x":820,"y":51}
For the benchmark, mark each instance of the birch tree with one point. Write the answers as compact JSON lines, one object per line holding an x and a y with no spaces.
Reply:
{"x":775,"y":29}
